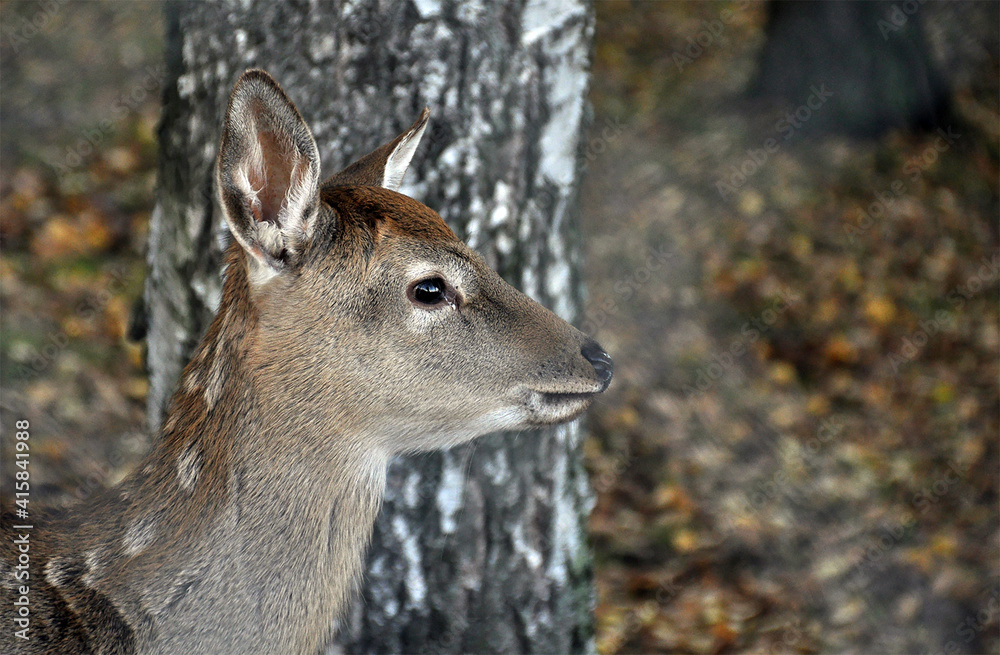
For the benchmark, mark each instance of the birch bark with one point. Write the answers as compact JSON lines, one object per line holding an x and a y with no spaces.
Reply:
{"x":482,"y":548}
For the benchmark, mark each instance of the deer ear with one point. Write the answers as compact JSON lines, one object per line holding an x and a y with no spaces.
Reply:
{"x":385,"y":166}
{"x":268,"y":173}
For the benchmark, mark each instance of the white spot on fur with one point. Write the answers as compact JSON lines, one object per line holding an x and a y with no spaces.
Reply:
{"x":259,"y":273}
{"x":192,"y":381}
{"x":188,"y":467}
{"x":216,"y":376}
{"x":93,"y":566}
{"x":55,"y":572}
{"x":422,"y":320}
{"x":171,"y":422}
{"x":139,"y":536}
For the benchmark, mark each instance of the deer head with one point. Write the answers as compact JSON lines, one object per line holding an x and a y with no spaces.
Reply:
{"x":370,"y":312}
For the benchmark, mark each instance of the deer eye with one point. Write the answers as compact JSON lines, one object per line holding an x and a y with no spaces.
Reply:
{"x":431,"y":292}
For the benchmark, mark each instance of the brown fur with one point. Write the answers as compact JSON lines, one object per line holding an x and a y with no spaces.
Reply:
{"x":244,"y":530}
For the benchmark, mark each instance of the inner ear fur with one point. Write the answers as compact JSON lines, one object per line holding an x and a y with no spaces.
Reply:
{"x":268,"y":171}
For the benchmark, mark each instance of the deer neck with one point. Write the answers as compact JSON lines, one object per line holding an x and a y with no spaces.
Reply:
{"x":238,"y":510}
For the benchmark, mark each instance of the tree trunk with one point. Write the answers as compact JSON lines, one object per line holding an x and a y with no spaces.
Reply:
{"x":482,"y":548}
{"x":871,"y":56}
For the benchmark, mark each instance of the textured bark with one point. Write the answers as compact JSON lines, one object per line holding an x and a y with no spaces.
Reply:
{"x":479,"y":549}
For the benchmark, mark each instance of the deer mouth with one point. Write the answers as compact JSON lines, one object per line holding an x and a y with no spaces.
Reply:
{"x":549,"y":408}
{"x":563,"y":398}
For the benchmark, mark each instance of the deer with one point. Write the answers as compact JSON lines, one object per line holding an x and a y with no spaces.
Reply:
{"x":354,"y":326}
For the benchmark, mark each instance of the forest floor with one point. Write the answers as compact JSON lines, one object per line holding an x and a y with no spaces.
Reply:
{"x":800,"y":448}
{"x":799,"y":452}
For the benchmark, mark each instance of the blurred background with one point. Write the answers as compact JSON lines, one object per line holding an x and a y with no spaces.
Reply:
{"x":790,"y":218}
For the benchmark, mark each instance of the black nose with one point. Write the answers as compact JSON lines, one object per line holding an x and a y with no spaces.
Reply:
{"x":600,"y":360}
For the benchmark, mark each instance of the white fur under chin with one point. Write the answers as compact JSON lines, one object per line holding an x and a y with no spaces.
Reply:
{"x":499,"y":420}
{"x":419,"y":438}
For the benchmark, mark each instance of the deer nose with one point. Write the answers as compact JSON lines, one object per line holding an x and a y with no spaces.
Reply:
{"x":600,"y":360}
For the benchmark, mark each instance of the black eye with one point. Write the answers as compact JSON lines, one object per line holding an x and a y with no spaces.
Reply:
{"x":430,"y":292}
